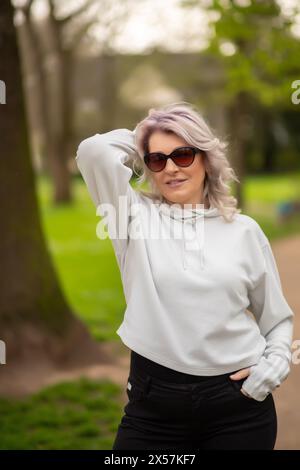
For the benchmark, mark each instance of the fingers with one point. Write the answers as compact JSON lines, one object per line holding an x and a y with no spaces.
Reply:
{"x":241,"y":374}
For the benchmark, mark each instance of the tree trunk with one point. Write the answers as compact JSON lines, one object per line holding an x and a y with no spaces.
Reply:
{"x":32,"y":57}
{"x":238,"y":136}
{"x":269,"y":143}
{"x":109,"y":92}
{"x":52,"y":97}
{"x":35,"y":320}
{"x":61,"y":115}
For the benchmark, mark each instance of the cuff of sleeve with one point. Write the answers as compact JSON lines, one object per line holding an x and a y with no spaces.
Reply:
{"x":265,"y":376}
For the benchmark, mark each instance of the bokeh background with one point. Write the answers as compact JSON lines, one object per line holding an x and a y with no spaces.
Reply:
{"x":71,"y":69}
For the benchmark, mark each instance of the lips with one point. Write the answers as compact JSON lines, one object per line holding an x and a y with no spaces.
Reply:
{"x":176,"y":182}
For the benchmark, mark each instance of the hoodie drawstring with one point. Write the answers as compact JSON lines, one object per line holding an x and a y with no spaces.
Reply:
{"x":189,"y":216}
{"x":183,"y":249}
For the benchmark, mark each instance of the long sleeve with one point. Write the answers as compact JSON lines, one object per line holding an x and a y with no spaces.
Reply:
{"x":100,"y":160}
{"x":275,"y":320}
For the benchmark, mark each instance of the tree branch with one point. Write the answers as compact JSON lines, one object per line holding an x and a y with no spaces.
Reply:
{"x":76,"y":13}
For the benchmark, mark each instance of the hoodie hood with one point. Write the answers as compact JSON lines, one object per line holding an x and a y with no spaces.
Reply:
{"x":191,"y":218}
{"x":176,"y":212}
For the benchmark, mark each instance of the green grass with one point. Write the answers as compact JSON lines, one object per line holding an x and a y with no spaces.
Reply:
{"x":263,"y":194}
{"x":85,"y":414}
{"x":272,"y":189}
{"x":80,"y":415}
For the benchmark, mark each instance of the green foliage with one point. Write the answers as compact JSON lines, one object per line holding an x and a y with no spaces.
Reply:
{"x":255,"y":44}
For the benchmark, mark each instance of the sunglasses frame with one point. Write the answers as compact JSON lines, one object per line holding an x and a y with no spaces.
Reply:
{"x":165,"y":157}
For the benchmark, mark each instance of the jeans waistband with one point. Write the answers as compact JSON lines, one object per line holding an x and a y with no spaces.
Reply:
{"x":142,"y":365}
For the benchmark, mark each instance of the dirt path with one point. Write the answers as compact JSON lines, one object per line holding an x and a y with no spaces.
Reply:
{"x":287,"y":254}
{"x":22,"y":381}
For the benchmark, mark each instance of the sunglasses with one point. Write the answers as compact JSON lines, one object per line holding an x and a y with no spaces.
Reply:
{"x":182,"y":156}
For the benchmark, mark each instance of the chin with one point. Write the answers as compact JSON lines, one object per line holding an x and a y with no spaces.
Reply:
{"x":174,"y":200}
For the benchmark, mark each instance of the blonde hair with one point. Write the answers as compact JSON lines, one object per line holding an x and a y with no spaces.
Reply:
{"x":184,"y":120}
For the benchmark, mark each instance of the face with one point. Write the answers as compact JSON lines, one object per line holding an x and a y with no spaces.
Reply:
{"x":191,"y":190}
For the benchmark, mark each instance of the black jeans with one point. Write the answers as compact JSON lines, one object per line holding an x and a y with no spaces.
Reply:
{"x":171,"y":410}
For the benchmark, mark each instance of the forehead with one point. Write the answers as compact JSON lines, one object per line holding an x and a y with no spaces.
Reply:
{"x":164,"y":142}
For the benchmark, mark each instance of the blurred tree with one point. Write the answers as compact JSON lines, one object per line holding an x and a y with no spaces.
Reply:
{"x":33,"y":67}
{"x":254,"y":42}
{"x":52,"y":45}
{"x":54,"y":91}
{"x":63,"y":109}
{"x":36,"y":322}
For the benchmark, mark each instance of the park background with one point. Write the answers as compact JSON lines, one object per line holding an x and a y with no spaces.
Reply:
{"x":72,"y":69}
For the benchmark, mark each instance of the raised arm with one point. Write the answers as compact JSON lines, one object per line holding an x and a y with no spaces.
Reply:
{"x":100,"y":160}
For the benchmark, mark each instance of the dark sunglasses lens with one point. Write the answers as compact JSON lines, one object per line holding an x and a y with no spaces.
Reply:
{"x":156,"y":162}
{"x":183,"y":157}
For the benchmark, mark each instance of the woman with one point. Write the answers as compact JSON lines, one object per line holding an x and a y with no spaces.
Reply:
{"x":202,"y":368}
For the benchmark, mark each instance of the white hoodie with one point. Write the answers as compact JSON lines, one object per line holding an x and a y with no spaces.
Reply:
{"x":187,"y":299}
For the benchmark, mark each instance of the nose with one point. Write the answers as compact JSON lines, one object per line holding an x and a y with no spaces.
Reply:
{"x":170,"y":165}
